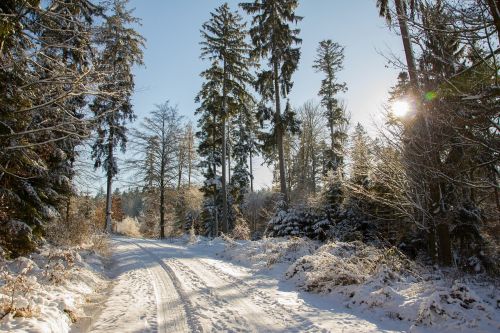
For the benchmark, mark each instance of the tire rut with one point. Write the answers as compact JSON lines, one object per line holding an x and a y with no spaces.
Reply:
{"x":167,"y":298}
{"x":292,"y":322}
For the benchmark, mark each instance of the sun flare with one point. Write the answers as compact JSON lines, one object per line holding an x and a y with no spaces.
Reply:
{"x":400,"y":108}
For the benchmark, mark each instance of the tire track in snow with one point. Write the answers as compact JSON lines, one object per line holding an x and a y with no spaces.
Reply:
{"x":266,"y":312}
{"x":171,"y":298}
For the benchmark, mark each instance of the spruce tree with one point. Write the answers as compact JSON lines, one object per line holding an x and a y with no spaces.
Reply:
{"x":224,"y":44}
{"x":329,"y":61}
{"x":274,"y":39}
{"x":121,"y":50}
{"x":244,"y":124}
{"x":44,"y":49}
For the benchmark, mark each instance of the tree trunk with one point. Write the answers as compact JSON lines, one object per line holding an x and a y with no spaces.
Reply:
{"x":495,"y":13}
{"x":410,"y":60}
{"x":279,"y":134}
{"x":162,"y":183}
{"x":444,"y":244}
{"x":228,"y":152}
{"x":225,"y":226}
{"x":251,"y":173}
{"x":108,"y":223}
{"x":179,"y":176}
{"x":190,"y":158}
{"x":109,"y":186}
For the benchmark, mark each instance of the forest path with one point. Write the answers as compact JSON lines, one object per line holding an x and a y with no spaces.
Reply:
{"x":173,"y":287}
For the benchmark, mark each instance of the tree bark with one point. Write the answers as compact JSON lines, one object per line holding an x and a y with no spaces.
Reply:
{"x":279,"y":134}
{"x":162,"y":182}
{"x":410,"y":60}
{"x":225,"y":226}
{"x":495,"y":13}
{"x":109,"y":186}
{"x":251,"y":173}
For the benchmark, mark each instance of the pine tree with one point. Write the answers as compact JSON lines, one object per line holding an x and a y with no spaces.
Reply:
{"x":329,"y":61}
{"x":224,"y":44}
{"x":121,"y":50}
{"x":274,"y":39}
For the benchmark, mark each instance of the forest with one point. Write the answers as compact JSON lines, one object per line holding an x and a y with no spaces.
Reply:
{"x":425,"y":183}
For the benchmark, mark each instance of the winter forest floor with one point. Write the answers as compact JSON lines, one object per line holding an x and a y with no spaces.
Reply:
{"x":271,"y":285}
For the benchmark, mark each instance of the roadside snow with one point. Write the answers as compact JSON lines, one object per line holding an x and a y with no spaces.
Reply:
{"x":46,"y":291}
{"x":377,"y":284}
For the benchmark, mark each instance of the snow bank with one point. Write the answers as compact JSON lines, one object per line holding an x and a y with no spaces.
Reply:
{"x":267,"y":252}
{"x":45,"y":292}
{"x":379,"y":282}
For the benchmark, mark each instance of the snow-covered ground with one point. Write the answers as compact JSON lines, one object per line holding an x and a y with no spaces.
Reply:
{"x":271,"y":285}
{"x":50,"y":290}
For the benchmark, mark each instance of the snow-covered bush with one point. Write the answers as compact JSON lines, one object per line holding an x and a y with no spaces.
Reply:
{"x":47,"y":289}
{"x":128,"y":226}
{"x":268,"y":252}
{"x":17,"y":290}
{"x":240,"y":230}
{"x":339,"y":264}
{"x":452,"y":304}
{"x":298,"y":221}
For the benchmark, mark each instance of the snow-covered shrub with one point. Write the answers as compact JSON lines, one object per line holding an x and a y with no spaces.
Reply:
{"x":100,"y":243}
{"x":240,"y":230}
{"x":339,"y":264}
{"x":299,"y":221}
{"x":192,"y":236}
{"x":128,"y":226}
{"x":16,"y":290}
{"x":458,"y":303}
{"x":288,"y":251}
{"x":59,"y":262}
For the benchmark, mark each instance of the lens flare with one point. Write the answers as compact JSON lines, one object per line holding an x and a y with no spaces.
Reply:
{"x":430,"y":95}
{"x":400,"y":108}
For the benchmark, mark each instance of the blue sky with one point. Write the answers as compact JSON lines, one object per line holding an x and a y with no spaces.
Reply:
{"x":173,"y":64}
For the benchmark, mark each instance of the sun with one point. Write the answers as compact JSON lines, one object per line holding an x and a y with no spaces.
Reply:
{"x":400,"y":108}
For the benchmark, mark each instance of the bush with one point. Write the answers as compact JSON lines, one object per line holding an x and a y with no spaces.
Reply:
{"x":128,"y":227}
{"x":340,"y":264}
{"x":240,"y":230}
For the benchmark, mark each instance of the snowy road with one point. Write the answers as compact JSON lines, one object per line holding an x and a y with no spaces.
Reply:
{"x":172,"y":287}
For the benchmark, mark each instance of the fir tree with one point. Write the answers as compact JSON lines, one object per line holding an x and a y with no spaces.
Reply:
{"x":274,"y":39}
{"x":360,"y":157}
{"x":44,"y":48}
{"x":244,"y":137}
{"x":224,"y":44}
{"x":122,"y":49}
{"x":329,"y":61}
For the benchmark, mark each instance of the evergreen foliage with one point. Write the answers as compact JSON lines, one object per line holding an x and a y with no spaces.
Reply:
{"x":122,"y":49}
{"x":274,"y":39}
{"x":329,"y":61}
{"x":223,"y":94}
